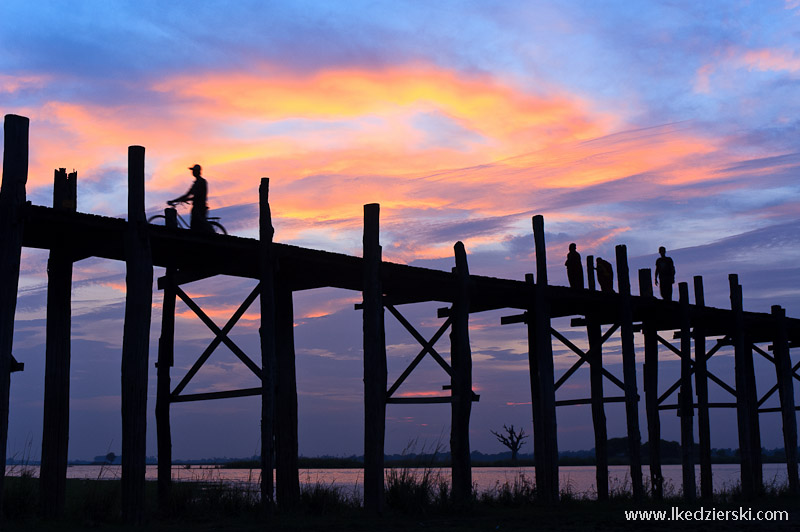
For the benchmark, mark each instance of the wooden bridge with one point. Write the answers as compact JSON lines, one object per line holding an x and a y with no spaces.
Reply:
{"x":283,"y":269}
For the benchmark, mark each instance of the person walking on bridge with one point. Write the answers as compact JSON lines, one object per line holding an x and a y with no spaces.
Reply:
{"x":665,"y":270}
{"x":574,"y":267}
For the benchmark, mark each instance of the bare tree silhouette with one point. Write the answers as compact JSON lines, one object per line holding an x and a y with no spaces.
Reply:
{"x":511,"y":439}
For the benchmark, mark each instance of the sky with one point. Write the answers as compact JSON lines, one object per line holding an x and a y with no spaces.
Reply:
{"x":646,"y":124}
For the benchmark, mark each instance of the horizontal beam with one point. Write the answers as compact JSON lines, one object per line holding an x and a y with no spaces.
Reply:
{"x":695,"y":405}
{"x":426,"y":400}
{"x":100,"y":236}
{"x":573,"y":402}
{"x":186,"y":398}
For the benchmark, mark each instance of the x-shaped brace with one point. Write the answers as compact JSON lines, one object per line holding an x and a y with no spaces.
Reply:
{"x":221,"y":336}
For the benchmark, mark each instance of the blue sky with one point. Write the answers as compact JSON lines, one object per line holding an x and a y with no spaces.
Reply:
{"x":654,"y":123}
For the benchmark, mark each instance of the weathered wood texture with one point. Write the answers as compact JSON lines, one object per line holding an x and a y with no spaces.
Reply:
{"x":166,"y":351}
{"x":55,"y":429}
{"x":701,"y":385}
{"x":12,"y":207}
{"x":686,"y":399}
{"x":744,"y":403}
{"x":375,"y":375}
{"x":461,"y":382}
{"x":783,"y":371}
{"x":544,"y":415}
{"x":287,"y":477}
{"x":650,"y":372}
{"x":593,"y":333}
{"x":135,"y":343}
{"x":268,"y":355}
{"x":629,"y":372}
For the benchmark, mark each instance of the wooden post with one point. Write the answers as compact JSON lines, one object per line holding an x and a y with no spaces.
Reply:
{"x":267,"y":334}
{"x":166,"y":349}
{"x":744,"y":419}
{"x":686,"y":399}
{"x":135,"y":343}
{"x":783,"y":371}
{"x":651,"y":389}
{"x":701,"y":383}
{"x":547,"y":477}
{"x":593,"y":333}
{"x":287,"y":475}
{"x":12,"y":206}
{"x":374,"y":363}
{"x":461,"y":382}
{"x":55,"y":430}
{"x":629,"y":371}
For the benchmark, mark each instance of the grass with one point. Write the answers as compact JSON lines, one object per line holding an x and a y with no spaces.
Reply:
{"x":416,"y":498}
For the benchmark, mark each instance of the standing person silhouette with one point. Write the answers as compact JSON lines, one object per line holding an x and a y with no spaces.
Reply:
{"x":605,"y":275}
{"x":198,"y":196}
{"x":665,"y":270}
{"x":574,"y":267}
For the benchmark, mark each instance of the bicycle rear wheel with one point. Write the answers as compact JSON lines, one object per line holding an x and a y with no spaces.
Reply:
{"x":158,"y":219}
{"x":218,"y":228}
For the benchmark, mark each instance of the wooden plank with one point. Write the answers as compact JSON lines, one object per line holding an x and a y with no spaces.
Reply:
{"x":12,"y":207}
{"x":686,"y":401}
{"x":461,"y":382}
{"x":375,"y":376}
{"x":287,"y":474}
{"x":166,"y":348}
{"x":544,"y":387}
{"x":596,"y":386}
{"x":268,"y":354}
{"x":55,"y":430}
{"x":576,"y":402}
{"x":701,"y":384}
{"x":208,"y":396}
{"x":783,"y":372}
{"x":135,"y":343}
{"x":419,"y":400}
{"x":629,"y":372}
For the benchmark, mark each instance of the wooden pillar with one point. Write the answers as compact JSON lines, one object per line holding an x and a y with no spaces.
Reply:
{"x":267,"y":334}
{"x":166,"y":350}
{"x":686,"y":397}
{"x":287,"y":476}
{"x":743,"y":405}
{"x":651,"y":388}
{"x":461,"y":382}
{"x":596,"y":384}
{"x":135,"y":343}
{"x":783,"y":371}
{"x":539,"y":332}
{"x":55,"y":430}
{"x":701,"y":384}
{"x":629,"y":371}
{"x":12,"y":205}
{"x":374,"y":363}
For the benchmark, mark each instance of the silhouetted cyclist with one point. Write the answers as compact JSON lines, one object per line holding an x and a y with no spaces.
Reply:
{"x":198,"y":196}
{"x":574,"y":267}
{"x":665,"y":270}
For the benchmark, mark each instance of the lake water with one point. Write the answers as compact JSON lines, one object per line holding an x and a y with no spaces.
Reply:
{"x":579,"y":480}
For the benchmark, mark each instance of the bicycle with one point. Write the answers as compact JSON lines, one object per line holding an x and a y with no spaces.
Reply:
{"x":212,"y":220}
